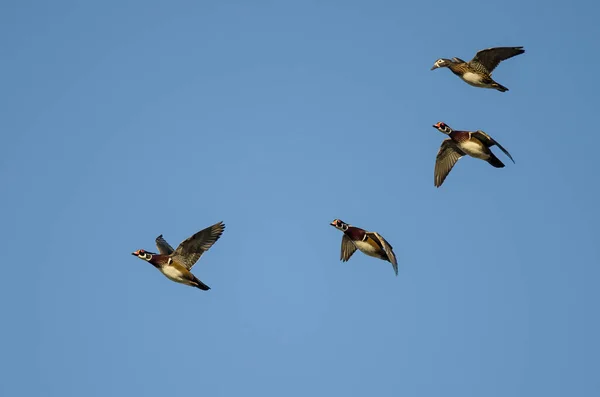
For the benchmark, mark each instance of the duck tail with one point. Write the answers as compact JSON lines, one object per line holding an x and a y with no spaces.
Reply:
{"x":495,"y":161}
{"x":200,"y":284}
{"x":500,"y":87}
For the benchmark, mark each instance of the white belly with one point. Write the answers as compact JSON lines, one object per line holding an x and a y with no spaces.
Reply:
{"x":472,"y":78}
{"x":172,"y":273}
{"x":367,"y":248}
{"x":475,"y":80}
{"x":474,"y":150}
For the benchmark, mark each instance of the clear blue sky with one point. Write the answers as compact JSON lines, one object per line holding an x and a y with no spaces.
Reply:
{"x":124,"y":120}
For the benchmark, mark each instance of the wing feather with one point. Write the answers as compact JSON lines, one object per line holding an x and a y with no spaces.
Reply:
{"x":446,"y":158}
{"x":348,"y":248}
{"x":388,"y":249}
{"x":163,"y":247}
{"x":489,"y":141}
{"x":192,"y":248}
{"x":491,"y":57}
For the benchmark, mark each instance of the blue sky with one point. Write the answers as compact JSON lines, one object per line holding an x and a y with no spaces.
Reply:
{"x":125,"y":120}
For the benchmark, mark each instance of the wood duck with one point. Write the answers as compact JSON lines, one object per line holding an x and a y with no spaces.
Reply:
{"x":176,"y":264}
{"x":478,"y":71}
{"x":460,"y":143}
{"x":369,"y":243}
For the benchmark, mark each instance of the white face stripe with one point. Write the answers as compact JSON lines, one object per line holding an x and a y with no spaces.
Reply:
{"x":343,"y":227}
{"x":445,"y":128}
{"x":145,"y":256}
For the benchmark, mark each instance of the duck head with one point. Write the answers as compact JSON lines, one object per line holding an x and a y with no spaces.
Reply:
{"x":339,"y":224}
{"x":441,"y":63}
{"x":443,"y":127}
